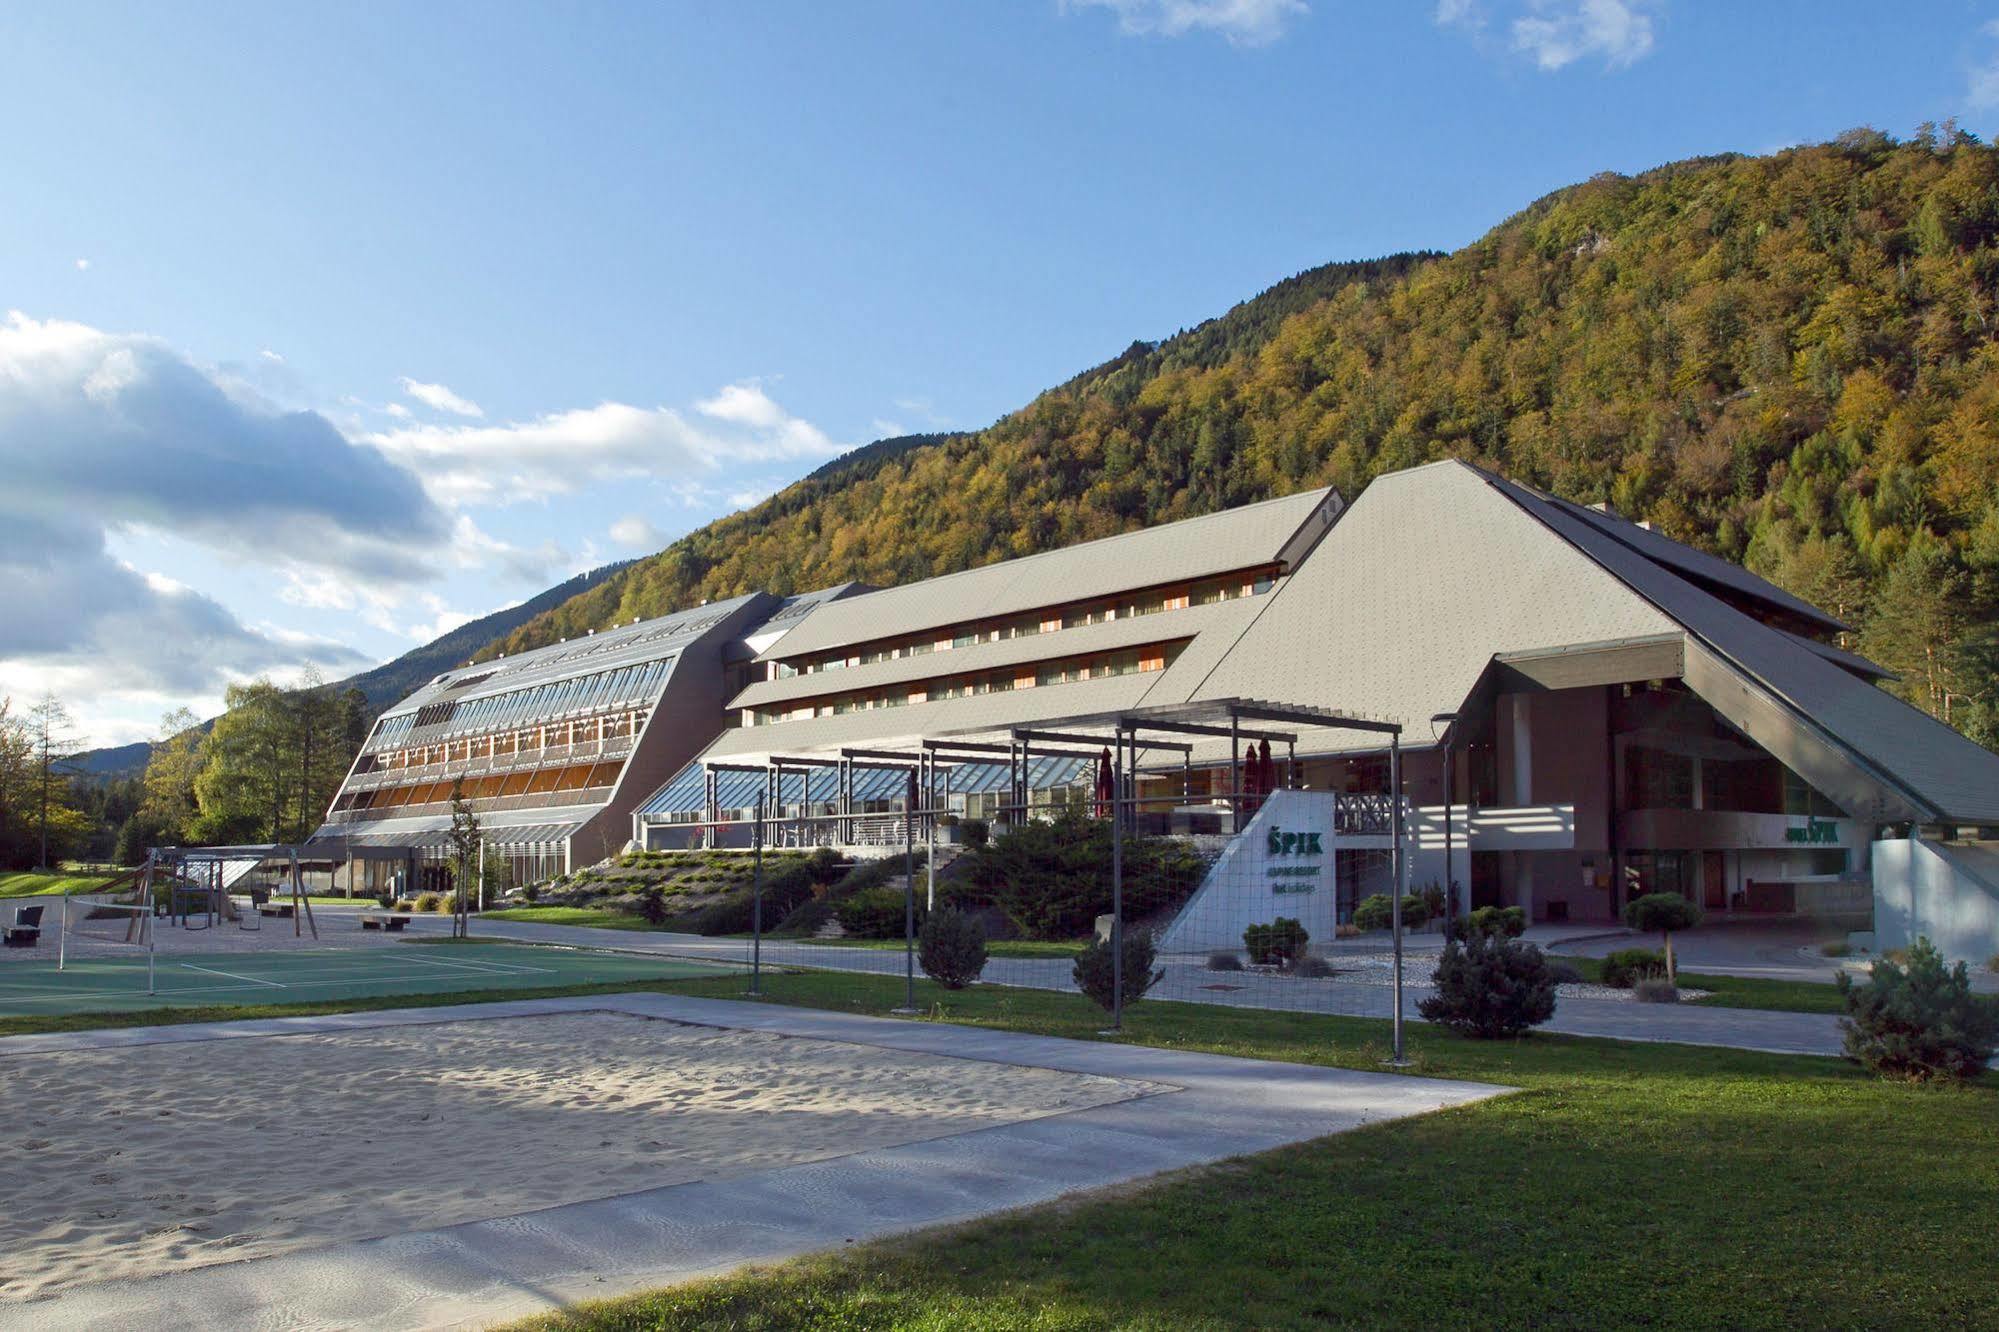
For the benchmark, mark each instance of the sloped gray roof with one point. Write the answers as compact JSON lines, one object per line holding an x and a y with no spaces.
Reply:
{"x":620,"y":646}
{"x":1215,"y":543}
{"x":1396,"y":615}
{"x":1685,"y":559}
{"x":1943,"y":773}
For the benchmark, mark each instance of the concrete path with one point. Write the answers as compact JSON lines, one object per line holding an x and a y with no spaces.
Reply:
{"x":1189,"y":981}
{"x":509,"y":1267}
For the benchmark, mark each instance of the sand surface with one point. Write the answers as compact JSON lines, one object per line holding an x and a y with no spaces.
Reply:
{"x":128,"y":1162}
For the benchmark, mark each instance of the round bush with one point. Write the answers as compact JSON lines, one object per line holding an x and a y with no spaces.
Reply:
{"x":1627,"y":966}
{"x":1490,"y":987}
{"x":1094,"y":973}
{"x":1377,"y":912}
{"x":1919,"y":1021}
{"x":951,"y":947}
{"x":1279,"y":943}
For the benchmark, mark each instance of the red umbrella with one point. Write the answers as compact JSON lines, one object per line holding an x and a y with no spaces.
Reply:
{"x":1266,"y":772}
{"x":1106,"y":786}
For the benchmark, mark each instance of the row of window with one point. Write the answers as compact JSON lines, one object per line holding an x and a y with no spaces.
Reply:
{"x":575,"y":777}
{"x":1094,"y":667}
{"x":529,"y":740}
{"x":1203,"y":593}
{"x":601,"y":690}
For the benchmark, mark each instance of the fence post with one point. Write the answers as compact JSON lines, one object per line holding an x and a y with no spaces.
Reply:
{"x":909,"y":895}
{"x":1395,"y":890}
{"x":1117,"y":897}
{"x":757,"y":898}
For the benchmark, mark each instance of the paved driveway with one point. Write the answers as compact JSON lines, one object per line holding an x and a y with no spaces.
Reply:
{"x":1687,"y":1024}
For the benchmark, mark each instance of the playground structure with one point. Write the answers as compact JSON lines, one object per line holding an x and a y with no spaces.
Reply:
{"x":199,"y":881}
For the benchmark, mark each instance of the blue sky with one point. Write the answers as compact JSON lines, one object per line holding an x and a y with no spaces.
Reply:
{"x":337,"y":326}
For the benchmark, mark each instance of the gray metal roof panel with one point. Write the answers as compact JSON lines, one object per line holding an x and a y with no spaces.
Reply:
{"x":1936,"y":765}
{"x":619,"y":646}
{"x":1193,"y":548}
{"x":1685,"y":559}
{"x":1399,"y":610}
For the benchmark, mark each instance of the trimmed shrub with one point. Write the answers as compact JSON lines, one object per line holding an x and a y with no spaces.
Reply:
{"x":1664,"y":912}
{"x":1280,"y":943}
{"x":1312,"y":968}
{"x":1094,"y":973}
{"x":1627,"y":966}
{"x":1919,"y":1021}
{"x":1224,"y":959}
{"x":951,"y":947}
{"x":1490,"y":987}
{"x":1509,"y":921}
{"x":1656,"y":990}
{"x":875,"y":913}
{"x":1377,"y":912}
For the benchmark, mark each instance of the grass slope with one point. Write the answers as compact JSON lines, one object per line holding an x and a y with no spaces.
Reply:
{"x":34,"y":883}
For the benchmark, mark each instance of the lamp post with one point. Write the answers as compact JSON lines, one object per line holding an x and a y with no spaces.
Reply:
{"x":1449,"y":722}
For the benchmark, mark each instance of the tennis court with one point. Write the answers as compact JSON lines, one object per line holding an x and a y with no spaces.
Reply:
{"x":118,"y":984}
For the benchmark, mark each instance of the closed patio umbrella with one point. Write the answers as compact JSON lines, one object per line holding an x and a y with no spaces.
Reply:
{"x":1106,"y":787}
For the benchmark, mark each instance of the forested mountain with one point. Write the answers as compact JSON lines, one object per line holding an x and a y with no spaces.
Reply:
{"x":1788,"y":360}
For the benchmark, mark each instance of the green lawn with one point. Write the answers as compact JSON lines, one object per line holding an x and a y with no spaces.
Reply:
{"x":33,"y":883}
{"x":596,"y":917}
{"x":1739,"y":991}
{"x":994,"y":948}
{"x":1628,"y":1185}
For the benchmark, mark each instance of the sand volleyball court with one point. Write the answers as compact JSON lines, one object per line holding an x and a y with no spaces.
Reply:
{"x":120,"y":1163}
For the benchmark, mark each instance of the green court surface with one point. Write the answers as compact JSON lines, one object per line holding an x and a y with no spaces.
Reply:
{"x":118,"y":984}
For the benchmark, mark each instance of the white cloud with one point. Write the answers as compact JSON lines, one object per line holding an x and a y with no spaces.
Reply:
{"x":1983,"y":91}
{"x":1556,"y":33}
{"x":270,"y":355}
{"x":563,"y":451}
{"x":755,"y":494}
{"x":83,"y":265}
{"x":439,"y":398}
{"x":634,"y":533}
{"x":103,"y":433}
{"x":1243,"y":22}
{"x":397,"y":410}
{"x":886,"y":429}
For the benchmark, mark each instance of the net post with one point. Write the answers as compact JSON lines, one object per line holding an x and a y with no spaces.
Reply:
{"x":62,"y":936}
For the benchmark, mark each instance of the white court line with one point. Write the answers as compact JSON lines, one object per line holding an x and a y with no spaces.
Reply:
{"x":499,"y":968}
{"x":275,"y":985}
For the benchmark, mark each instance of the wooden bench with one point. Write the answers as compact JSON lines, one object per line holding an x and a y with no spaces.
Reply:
{"x":275,"y":909}
{"x":393,"y":924}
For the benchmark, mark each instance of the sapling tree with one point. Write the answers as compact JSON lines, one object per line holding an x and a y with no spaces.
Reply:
{"x":1666,"y":913}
